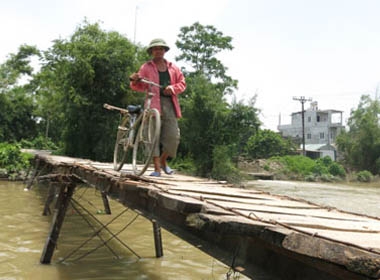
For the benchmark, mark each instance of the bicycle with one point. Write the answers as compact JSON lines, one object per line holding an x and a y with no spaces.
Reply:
{"x":147,"y":123}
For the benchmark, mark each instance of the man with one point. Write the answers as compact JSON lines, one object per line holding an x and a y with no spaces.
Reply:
{"x":165,"y":100}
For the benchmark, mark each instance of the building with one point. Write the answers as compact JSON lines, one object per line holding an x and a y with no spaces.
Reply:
{"x":321,"y":129}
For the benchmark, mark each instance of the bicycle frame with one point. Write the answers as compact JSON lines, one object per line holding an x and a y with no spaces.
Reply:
{"x":131,"y":132}
{"x":146,"y":138}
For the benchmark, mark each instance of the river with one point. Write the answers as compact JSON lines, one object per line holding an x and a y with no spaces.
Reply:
{"x":24,"y":231}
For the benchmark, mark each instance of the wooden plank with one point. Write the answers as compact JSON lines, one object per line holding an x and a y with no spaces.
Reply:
{"x":251,"y":199}
{"x":365,"y":226}
{"x":370,"y":241}
{"x":295,"y":211}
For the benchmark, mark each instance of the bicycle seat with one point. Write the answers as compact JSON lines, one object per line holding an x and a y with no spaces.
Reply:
{"x":134,"y":109}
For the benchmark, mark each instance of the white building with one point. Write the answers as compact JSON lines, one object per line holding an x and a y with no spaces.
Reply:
{"x":321,"y":129}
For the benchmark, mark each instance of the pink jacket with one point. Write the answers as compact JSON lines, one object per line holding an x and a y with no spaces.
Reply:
{"x":177,"y":82}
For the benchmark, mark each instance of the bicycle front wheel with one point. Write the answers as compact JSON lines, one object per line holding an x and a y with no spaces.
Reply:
{"x":122,"y":144}
{"x":147,"y":137}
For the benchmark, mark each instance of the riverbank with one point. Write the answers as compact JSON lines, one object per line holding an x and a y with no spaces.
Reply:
{"x":294,"y":170}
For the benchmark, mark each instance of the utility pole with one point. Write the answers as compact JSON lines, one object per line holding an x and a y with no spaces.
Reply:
{"x":135,"y":27}
{"x":302,"y":99}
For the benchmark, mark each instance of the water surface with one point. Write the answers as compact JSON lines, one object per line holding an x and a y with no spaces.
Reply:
{"x":24,"y":231}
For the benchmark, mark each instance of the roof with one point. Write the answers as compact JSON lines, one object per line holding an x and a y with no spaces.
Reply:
{"x":318,"y":111}
{"x":318,"y":147}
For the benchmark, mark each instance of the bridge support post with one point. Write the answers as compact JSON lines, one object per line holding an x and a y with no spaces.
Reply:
{"x":106,"y":204}
{"x":157,"y":239}
{"x":50,"y":198}
{"x":37,"y":169}
{"x":63,"y":200}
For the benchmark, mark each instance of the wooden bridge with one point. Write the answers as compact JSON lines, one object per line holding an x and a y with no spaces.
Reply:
{"x":263,"y":236}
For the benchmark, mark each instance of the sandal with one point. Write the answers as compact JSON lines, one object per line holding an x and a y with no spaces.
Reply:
{"x":167,"y":170}
{"x":155,"y":174}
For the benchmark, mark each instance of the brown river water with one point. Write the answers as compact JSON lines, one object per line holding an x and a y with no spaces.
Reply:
{"x":24,"y":231}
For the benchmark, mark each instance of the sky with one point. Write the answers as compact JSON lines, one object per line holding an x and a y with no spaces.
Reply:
{"x":325,"y":50}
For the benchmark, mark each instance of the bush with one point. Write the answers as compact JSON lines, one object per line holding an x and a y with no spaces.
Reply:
{"x":223,"y":168}
{"x":326,"y":160}
{"x":330,"y":167}
{"x":298,"y":164}
{"x":320,"y":169}
{"x":364,"y":176}
{"x":12,"y":160}
{"x":305,"y":168}
{"x":266,"y":143}
{"x":39,"y":143}
{"x":337,"y":170}
{"x":184,"y":164}
{"x":327,"y":178}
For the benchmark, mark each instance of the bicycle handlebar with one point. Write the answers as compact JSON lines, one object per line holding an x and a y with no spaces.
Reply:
{"x":111,"y":107}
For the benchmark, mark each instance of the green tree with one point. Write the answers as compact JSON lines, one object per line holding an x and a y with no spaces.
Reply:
{"x":16,"y":66}
{"x":200,"y":45}
{"x":79,"y":75}
{"x":266,"y":143}
{"x":17,"y":97}
{"x":17,"y":117}
{"x":360,"y":145}
{"x":242,"y":122}
{"x":203,"y":127}
{"x":210,"y":125}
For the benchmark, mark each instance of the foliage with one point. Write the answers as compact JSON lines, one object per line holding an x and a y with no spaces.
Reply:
{"x":12,"y":160}
{"x":16,"y":112}
{"x":364,"y":176}
{"x":184,"y":164}
{"x":16,"y":100}
{"x":203,"y":119}
{"x":39,"y":143}
{"x":297,"y":164}
{"x":199,"y":45}
{"x":336,"y":169}
{"x":62,"y":105}
{"x":266,"y":143}
{"x":360,"y":145}
{"x":242,"y":122}
{"x":209,"y":122}
{"x":80,"y":75}
{"x":306,"y":168}
{"x":16,"y":66}
{"x":223,"y":168}
{"x":319,"y":168}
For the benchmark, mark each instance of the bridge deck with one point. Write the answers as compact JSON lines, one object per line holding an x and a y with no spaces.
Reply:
{"x":265,"y":236}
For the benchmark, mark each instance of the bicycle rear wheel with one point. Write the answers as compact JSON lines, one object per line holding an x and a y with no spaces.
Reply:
{"x":124,"y":140}
{"x":147,"y":137}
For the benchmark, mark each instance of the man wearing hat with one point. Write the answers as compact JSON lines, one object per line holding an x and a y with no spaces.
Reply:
{"x":165,"y":100}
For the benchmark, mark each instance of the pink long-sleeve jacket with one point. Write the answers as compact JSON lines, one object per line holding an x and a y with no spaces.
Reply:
{"x":177,"y":83}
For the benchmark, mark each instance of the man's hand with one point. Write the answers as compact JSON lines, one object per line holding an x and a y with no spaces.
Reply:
{"x":134,"y":77}
{"x":168,"y":91}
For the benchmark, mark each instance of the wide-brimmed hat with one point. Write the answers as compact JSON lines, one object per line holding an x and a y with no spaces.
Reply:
{"x":157,"y":43}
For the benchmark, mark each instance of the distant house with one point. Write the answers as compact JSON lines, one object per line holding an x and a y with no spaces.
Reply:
{"x":315,"y":151}
{"x":321,"y":129}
